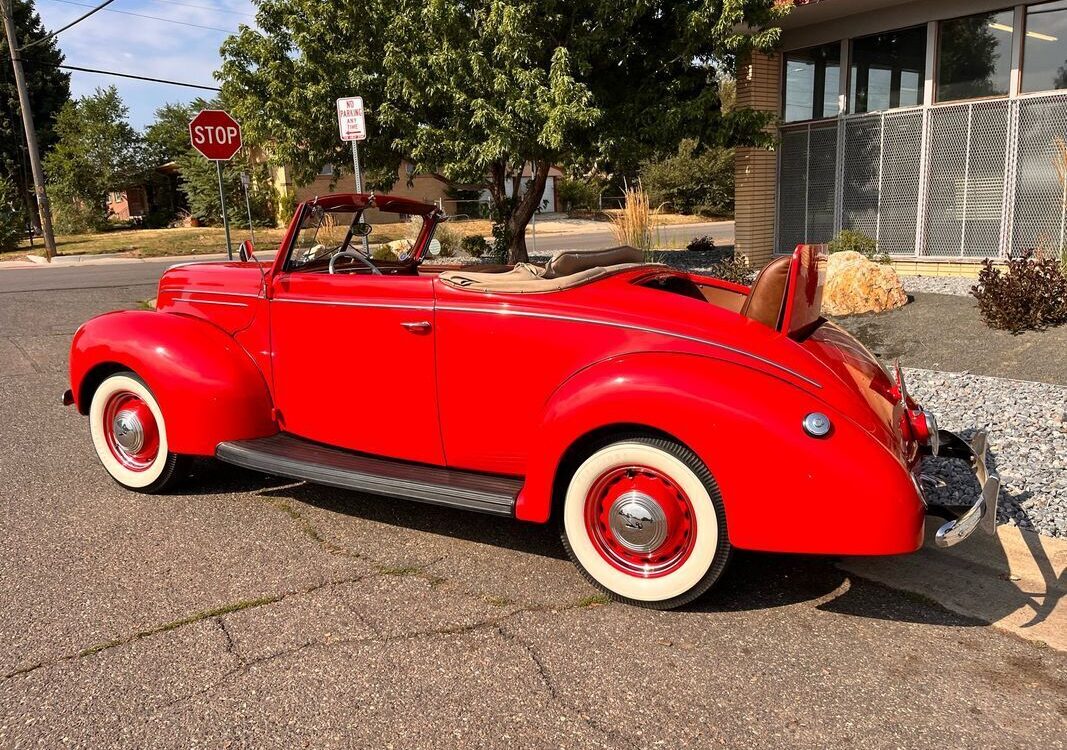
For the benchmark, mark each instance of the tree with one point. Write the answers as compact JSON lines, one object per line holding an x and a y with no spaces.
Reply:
{"x":167,"y":139}
{"x":97,"y":151}
{"x":477,"y":90}
{"x":49,"y":90}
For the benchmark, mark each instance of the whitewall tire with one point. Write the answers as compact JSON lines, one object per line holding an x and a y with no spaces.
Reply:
{"x":130,"y":435}
{"x":643,"y":520}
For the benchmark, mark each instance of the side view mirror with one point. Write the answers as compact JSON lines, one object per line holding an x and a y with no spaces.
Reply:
{"x":247,"y":251}
{"x":435,"y":248}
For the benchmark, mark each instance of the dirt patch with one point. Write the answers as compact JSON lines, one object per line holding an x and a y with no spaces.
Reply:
{"x":945,"y":332}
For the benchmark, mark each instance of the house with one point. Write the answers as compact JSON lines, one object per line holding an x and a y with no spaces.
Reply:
{"x":156,"y":191}
{"x":428,"y":187}
{"x":938,"y":129}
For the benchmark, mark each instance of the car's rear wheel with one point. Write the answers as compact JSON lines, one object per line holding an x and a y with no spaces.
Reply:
{"x":130,"y":435}
{"x":643,"y":519}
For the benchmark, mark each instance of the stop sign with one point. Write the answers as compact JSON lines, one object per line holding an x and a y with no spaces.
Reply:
{"x":215,"y":134}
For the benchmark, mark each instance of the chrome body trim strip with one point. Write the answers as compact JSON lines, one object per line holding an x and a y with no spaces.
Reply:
{"x":632,"y":327}
{"x":210,"y":302}
{"x":213,"y":292}
{"x":378,"y":305}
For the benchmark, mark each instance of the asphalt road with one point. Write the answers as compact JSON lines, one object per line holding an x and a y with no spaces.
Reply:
{"x":114,"y":275}
{"x":247,"y":611}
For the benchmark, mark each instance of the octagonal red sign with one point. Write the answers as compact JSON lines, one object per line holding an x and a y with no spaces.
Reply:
{"x":215,"y":134}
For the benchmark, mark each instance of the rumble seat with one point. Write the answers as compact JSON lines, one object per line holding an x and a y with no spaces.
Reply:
{"x":766,"y":301}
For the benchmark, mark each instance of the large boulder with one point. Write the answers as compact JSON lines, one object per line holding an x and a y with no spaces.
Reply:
{"x":855,"y":284}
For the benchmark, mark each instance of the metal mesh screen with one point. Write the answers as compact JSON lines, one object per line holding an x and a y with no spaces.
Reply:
{"x":901,"y":144}
{"x":822,"y":173}
{"x":965,"y":189}
{"x":991,"y":178}
{"x":1039,"y":195}
{"x":806,"y":170}
{"x":862,"y":167}
{"x":792,"y":188}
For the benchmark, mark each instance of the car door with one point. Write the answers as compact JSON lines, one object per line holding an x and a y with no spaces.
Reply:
{"x":353,"y":362}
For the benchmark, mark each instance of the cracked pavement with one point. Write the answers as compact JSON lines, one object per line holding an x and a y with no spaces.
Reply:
{"x":250,"y":611}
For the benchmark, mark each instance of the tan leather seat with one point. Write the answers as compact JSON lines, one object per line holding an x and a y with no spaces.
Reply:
{"x":766,"y":301}
{"x":566,"y":262}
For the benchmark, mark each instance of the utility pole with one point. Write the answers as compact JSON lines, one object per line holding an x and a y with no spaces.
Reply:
{"x":31,"y":132}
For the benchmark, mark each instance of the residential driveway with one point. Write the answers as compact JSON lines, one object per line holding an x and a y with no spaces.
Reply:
{"x":253,"y":612}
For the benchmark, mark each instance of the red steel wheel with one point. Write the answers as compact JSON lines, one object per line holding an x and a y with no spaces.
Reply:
{"x":640,"y":520}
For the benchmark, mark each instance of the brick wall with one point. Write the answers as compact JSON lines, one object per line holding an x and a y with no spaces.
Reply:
{"x":756,"y":170}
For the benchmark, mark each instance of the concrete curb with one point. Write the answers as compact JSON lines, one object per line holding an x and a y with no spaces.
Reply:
{"x":1016,"y":580}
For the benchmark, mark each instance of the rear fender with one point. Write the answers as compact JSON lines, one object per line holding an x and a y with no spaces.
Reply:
{"x":208,"y":387}
{"x":782,"y":489}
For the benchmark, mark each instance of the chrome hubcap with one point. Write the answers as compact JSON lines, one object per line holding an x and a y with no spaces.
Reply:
{"x":128,"y":431}
{"x":637,"y":521}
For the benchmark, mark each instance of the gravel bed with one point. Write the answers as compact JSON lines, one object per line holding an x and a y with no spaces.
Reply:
{"x":957,"y":285}
{"x":1027,"y":424}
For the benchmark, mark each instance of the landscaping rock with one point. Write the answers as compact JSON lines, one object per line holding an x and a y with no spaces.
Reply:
{"x":957,"y":285}
{"x":1027,"y":438}
{"x":855,"y":284}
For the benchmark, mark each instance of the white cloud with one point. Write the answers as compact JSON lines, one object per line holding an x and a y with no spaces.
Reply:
{"x":146,"y":47}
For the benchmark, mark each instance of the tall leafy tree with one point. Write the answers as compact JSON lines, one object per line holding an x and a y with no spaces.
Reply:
{"x":96,"y":151}
{"x":475,"y":90}
{"x":49,"y":89}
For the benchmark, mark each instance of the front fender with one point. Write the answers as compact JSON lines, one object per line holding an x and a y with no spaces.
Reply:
{"x":209,"y":389}
{"x":783,"y":490}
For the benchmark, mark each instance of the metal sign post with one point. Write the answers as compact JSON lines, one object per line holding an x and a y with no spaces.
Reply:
{"x":352,"y":125}
{"x":225,"y":218}
{"x":248,"y":206}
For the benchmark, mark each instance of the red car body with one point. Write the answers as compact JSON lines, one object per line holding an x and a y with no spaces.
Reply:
{"x":405,"y":367}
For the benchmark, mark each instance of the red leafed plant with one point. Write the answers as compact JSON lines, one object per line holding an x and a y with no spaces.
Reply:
{"x":1031,"y":294}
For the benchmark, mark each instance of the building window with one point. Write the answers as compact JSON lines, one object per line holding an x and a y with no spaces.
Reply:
{"x":888,"y":70}
{"x":812,"y":81}
{"x":326,"y":170}
{"x":974,"y":56}
{"x":1045,"y":47}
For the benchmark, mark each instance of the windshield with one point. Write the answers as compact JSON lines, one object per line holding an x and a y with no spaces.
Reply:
{"x":380,"y":235}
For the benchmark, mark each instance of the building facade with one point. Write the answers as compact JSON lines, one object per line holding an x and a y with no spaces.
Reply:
{"x":937,"y":128}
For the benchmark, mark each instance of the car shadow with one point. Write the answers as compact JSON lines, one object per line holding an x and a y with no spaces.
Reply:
{"x":752,"y":581}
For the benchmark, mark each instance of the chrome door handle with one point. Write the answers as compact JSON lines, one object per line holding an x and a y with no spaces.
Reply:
{"x":417,"y":326}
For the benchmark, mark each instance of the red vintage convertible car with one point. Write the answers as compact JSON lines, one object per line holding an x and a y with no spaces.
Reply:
{"x":662,"y":418}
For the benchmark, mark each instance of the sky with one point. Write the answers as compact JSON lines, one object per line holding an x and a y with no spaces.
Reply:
{"x":111,"y":40}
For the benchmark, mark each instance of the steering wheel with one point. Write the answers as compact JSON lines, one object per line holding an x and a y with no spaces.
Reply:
{"x":355,"y":256}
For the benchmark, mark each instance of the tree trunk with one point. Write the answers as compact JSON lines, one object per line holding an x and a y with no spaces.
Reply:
{"x":524,"y":210}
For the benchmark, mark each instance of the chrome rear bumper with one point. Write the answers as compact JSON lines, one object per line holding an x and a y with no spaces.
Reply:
{"x":984,"y":511}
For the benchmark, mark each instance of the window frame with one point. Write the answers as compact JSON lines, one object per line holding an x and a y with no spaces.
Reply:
{"x":940,"y":27}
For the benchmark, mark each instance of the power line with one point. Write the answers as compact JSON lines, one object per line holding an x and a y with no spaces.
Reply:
{"x":124,"y":75}
{"x":208,"y":7}
{"x":153,"y":18}
{"x":77,"y":20}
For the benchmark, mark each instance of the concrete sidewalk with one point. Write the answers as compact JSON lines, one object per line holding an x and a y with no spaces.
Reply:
{"x":1016,"y":580}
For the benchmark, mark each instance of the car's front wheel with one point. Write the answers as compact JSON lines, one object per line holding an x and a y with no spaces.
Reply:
{"x":130,"y":436}
{"x":643,"y":519}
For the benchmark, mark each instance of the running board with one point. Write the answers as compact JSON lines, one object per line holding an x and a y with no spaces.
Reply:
{"x":291,"y":456}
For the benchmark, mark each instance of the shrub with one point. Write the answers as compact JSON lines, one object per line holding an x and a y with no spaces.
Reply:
{"x":702,"y":244}
{"x":1030,"y":294}
{"x":579,"y":194}
{"x":735,"y":269}
{"x":449,"y":237}
{"x":474,"y":245}
{"x":11,"y":218}
{"x":848,"y":240}
{"x":692,"y":180}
